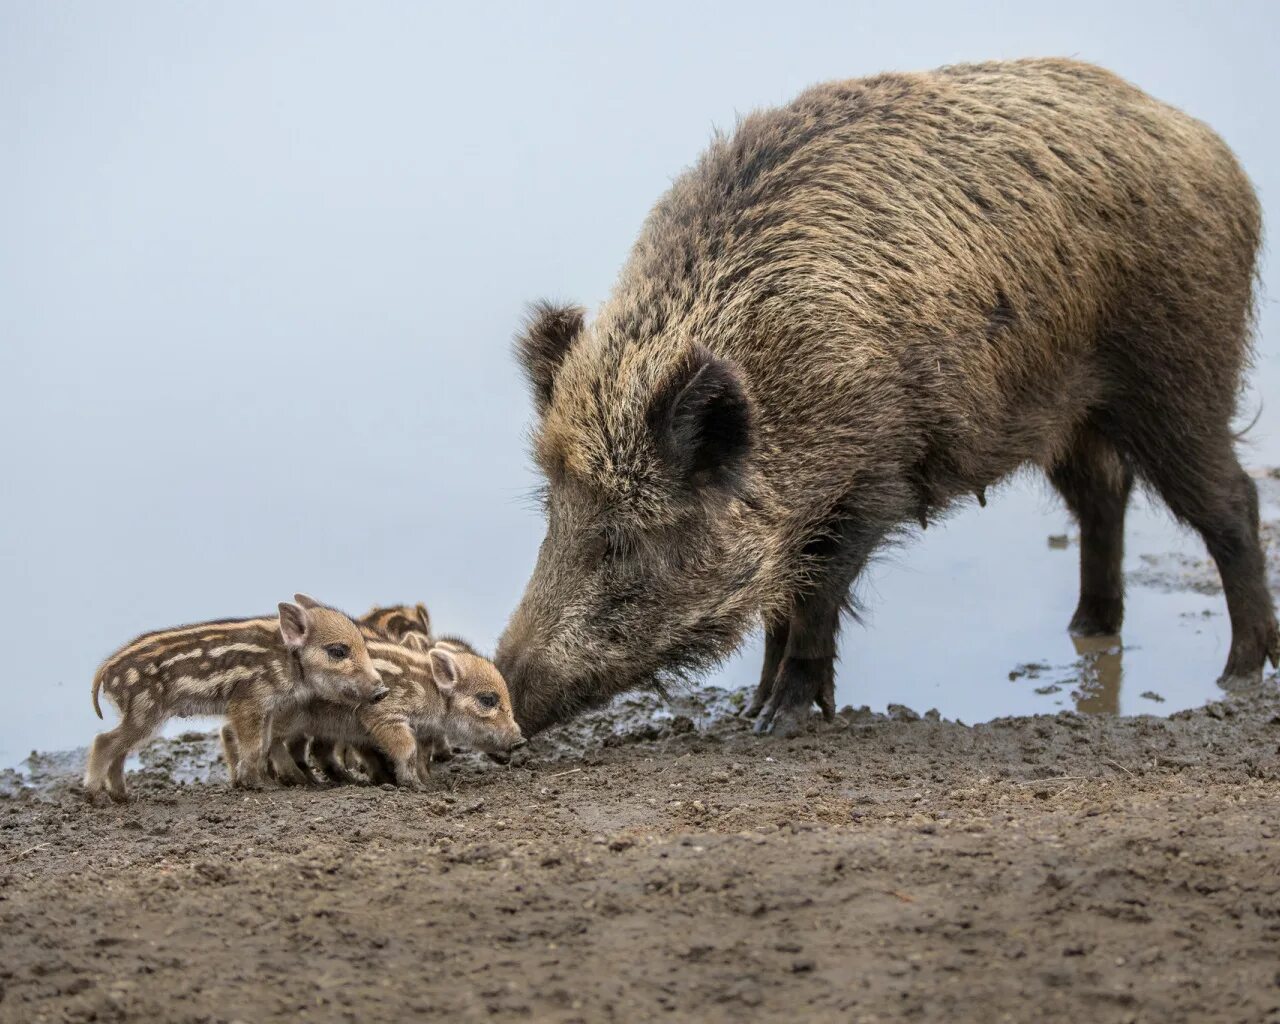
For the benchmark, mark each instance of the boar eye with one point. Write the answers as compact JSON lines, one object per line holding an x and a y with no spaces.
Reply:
{"x":337,"y":651}
{"x":488,"y":699}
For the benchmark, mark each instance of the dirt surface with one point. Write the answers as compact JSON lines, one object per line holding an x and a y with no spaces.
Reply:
{"x":660,"y":862}
{"x":633,"y":868}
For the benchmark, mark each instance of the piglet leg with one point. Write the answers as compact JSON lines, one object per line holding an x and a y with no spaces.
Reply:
{"x":397,"y":741}
{"x":253,"y":733}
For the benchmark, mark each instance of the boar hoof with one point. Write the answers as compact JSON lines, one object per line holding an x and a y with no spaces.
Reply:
{"x":753,"y":709}
{"x":782,"y":723}
{"x":1101,"y":619}
{"x":1241,"y":682}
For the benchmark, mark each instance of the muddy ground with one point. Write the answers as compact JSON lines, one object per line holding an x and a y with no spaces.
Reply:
{"x":660,"y":862}
{"x":1066,"y":867}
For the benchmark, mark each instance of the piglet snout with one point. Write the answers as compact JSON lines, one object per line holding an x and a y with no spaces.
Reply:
{"x":378,"y":694}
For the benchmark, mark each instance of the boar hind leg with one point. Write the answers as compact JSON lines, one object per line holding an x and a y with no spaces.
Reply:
{"x":807,"y":670}
{"x":775,"y":645}
{"x":1204,"y":485}
{"x":1095,"y":482}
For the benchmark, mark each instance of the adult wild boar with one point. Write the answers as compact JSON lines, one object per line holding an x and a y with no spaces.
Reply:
{"x":856,"y":310}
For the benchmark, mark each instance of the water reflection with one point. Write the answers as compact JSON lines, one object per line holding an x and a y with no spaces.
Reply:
{"x":1100,"y":673}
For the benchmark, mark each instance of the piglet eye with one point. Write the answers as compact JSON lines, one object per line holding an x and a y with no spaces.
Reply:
{"x":337,"y":651}
{"x":488,"y":699}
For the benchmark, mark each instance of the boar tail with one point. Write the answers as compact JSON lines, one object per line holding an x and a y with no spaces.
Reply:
{"x":97,"y":685}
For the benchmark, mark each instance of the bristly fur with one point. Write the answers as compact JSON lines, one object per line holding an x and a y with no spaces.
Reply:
{"x":905,"y":288}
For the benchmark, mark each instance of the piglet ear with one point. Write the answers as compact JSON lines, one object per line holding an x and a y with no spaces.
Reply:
{"x":307,"y":602}
{"x":701,"y":419}
{"x":416,"y":642}
{"x":444,"y":668}
{"x":294,"y":624}
{"x":424,"y":619}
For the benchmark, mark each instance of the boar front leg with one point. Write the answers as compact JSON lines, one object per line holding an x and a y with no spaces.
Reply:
{"x":252,"y":730}
{"x":397,"y":741}
{"x":775,"y":646}
{"x":805,"y":672}
{"x":1095,"y":483}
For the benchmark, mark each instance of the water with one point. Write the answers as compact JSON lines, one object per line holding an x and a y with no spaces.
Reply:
{"x":971,"y":620}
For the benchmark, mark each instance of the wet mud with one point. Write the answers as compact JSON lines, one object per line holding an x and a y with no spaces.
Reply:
{"x":639,"y":866}
{"x":658,"y":861}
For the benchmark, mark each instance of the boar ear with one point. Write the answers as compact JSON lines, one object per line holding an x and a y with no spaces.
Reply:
{"x":702,"y":419}
{"x":549,"y":332}
{"x":444,"y":668}
{"x":293,"y":625}
{"x":424,"y":619}
{"x":307,"y":602}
